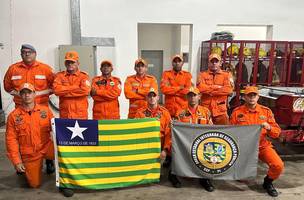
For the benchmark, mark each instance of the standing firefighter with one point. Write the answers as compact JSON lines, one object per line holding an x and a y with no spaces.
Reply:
{"x":105,"y":91}
{"x":137,"y":87}
{"x":253,"y":113}
{"x":28,"y":139}
{"x":215,"y":86}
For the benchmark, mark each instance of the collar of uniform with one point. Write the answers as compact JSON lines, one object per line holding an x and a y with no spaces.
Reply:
{"x":36,"y":108}
{"x":33,"y":65}
{"x":174,"y":72}
{"x":75,"y":74}
{"x":140,"y":78}
{"x":153,"y":110}
{"x":218,"y":72}
{"x":104,"y":78}
{"x":256,"y":109}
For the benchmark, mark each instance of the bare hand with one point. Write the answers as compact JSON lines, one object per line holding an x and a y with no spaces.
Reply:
{"x":20,"y":167}
{"x":163,"y":155}
{"x":266,"y":126}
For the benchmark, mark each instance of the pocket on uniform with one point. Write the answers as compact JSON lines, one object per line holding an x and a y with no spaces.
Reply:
{"x":23,"y":136}
{"x":40,"y":81}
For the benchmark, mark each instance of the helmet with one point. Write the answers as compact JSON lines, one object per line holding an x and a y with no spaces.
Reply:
{"x":262,"y":53}
{"x":247,"y":51}
{"x":216,"y":50}
{"x":233,"y":50}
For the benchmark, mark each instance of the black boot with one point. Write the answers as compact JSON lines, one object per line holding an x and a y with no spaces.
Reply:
{"x":174,"y":180}
{"x":50,"y":168}
{"x":267,"y":185}
{"x":206,"y":183}
{"x":67,"y":192}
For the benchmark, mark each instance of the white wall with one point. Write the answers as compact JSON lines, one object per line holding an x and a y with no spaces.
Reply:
{"x":46,"y":24}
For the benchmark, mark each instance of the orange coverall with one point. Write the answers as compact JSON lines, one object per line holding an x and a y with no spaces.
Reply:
{"x":244,"y":116}
{"x":73,"y":91}
{"x":136,"y":90}
{"x":163,"y":115}
{"x":28,"y":140}
{"x":175,"y":86}
{"x":106,"y":105}
{"x":200,"y":115}
{"x":39,"y":75}
{"x":215,"y":89}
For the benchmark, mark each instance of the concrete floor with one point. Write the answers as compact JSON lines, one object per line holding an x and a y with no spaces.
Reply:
{"x":290,"y":186}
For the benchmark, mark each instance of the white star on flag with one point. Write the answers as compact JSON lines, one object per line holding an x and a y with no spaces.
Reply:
{"x":77,"y":131}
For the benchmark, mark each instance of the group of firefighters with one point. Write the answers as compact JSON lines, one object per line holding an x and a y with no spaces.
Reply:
{"x":31,"y":82}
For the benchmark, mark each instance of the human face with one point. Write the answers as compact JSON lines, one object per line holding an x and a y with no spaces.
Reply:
{"x":106,"y":69}
{"x":71,"y":66}
{"x":214,"y":65}
{"x":141,"y":69}
{"x":152,"y":100}
{"x":28,"y":56}
{"x":251,"y":99}
{"x":27,"y":96}
{"x":193,"y":99}
{"x":177,"y":64}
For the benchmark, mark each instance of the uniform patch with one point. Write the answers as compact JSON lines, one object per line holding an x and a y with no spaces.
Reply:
{"x":112,"y":83}
{"x":147,"y":113}
{"x":240,"y":115}
{"x":18,"y":120}
{"x":16,"y":78}
{"x":262,"y":117}
{"x":43,"y":114}
{"x":135,"y":84}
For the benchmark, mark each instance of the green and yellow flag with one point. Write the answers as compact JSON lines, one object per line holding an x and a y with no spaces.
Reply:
{"x":102,"y":154}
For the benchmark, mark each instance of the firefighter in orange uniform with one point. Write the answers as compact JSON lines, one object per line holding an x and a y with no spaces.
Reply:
{"x":137,"y":87}
{"x":174,"y":85}
{"x":105,"y":91}
{"x":194,"y":114}
{"x":73,"y":87}
{"x":29,"y":70}
{"x":253,"y":113}
{"x":215,"y":86}
{"x":154,"y":110}
{"x":28,"y":139}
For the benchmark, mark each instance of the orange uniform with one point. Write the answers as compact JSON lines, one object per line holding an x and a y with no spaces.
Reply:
{"x":28,"y":140}
{"x":106,"y":105}
{"x":245,"y":116}
{"x":73,"y":91}
{"x":136,"y":90}
{"x":39,"y":74}
{"x":175,"y":86}
{"x":163,"y":115}
{"x":215,"y":89}
{"x":200,"y":115}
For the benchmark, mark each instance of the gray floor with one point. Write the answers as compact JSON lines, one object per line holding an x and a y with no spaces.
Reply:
{"x":290,"y":186}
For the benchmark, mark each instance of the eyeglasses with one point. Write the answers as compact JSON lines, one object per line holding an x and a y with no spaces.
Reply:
{"x":27,"y":52}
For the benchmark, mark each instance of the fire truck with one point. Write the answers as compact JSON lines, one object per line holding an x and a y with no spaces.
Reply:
{"x":276,"y":68}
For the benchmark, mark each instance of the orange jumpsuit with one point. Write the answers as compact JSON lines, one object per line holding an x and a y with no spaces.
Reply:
{"x":215,"y":89}
{"x":200,"y":115}
{"x":163,"y":115}
{"x":28,"y":140}
{"x":73,"y":91}
{"x":175,"y":86}
{"x":244,"y":116}
{"x":136,"y":90}
{"x":106,"y":105}
{"x":39,"y":75}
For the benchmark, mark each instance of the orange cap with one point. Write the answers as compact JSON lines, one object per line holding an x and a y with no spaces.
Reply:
{"x":251,"y":89}
{"x":140,"y":60}
{"x":27,"y":86}
{"x":178,"y":56}
{"x":106,"y":62}
{"x":72,"y":56}
{"x":155,"y":91}
{"x":214,"y":55}
{"x":194,"y":90}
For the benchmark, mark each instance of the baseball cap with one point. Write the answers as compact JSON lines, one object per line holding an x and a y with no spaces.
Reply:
{"x":72,"y":56}
{"x":251,"y":89}
{"x":194,"y":90}
{"x":106,"y":62}
{"x":178,"y":56}
{"x":140,"y":60}
{"x":153,"y":90}
{"x":28,"y":46}
{"x":27,"y":86}
{"x":214,"y":55}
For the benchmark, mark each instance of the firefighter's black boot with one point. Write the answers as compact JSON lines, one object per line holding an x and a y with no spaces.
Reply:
{"x":207,"y":184}
{"x":50,"y":168}
{"x":67,"y":192}
{"x":267,"y":185}
{"x":174,"y":180}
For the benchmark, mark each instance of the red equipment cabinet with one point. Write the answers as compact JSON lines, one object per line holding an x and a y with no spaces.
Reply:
{"x":275,"y":66}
